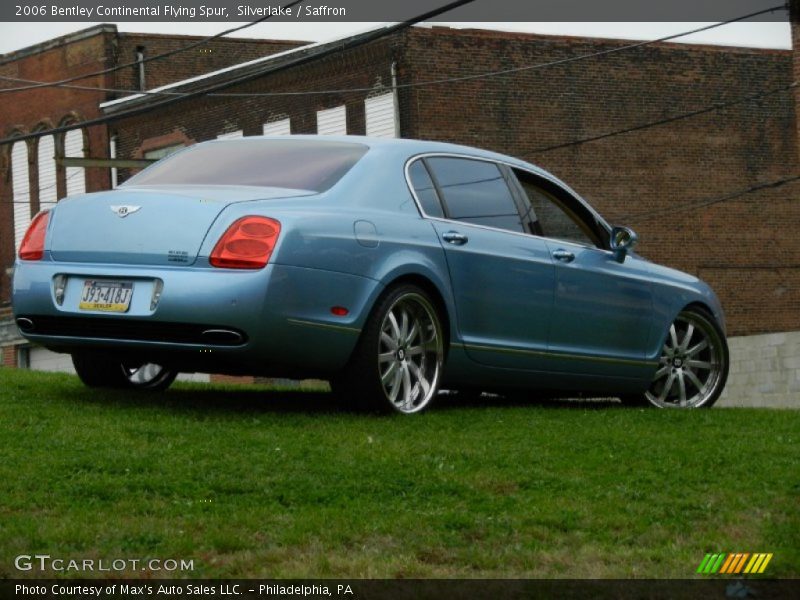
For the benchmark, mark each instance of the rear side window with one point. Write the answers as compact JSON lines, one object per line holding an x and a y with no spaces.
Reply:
{"x":293,"y":164}
{"x":475,"y":191}
{"x":423,"y":186}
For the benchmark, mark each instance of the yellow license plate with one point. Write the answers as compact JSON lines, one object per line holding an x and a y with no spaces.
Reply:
{"x":106,"y":296}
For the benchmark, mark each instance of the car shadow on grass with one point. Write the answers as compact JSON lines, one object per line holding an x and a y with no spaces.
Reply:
{"x":454,"y":401}
{"x":238,"y":399}
{"x":262,"y":399}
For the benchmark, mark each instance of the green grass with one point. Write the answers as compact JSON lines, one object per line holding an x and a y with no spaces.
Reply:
{"x":250,"y":482}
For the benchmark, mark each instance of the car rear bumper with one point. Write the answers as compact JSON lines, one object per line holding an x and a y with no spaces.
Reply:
{"x":270,"y":321}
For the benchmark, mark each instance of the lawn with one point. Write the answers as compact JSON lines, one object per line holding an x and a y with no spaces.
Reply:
{"x":253,"y":482}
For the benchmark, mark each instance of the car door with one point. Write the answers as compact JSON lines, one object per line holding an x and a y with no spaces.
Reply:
{"x":502,"y":279}
{"x":602,"y":307}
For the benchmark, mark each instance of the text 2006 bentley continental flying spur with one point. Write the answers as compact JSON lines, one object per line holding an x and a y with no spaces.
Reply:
{"x":392,"y":268}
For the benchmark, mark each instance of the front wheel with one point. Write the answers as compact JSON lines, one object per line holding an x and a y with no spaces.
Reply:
{"x":693,"y":366}
{"x":100,"y":371}
{"x":398,"y":361}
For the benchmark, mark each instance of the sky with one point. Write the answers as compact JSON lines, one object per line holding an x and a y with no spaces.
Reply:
{"x":14,"y":36}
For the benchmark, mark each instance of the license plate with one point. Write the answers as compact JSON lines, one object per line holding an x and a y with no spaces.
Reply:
{"x":107,"y":296}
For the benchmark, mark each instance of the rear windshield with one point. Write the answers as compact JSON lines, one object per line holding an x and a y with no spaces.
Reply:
{"x":293,"y":164}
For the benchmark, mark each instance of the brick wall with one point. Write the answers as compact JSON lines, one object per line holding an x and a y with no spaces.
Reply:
{"x":9,"y":356}
{"x":202,"y":119}
{"x":214,"y":55}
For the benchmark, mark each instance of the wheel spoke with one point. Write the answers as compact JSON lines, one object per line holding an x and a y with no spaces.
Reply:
{"x":390,"y":342}
{"x":395,"y":387}
{"x":420,"y":377}
{"x":412,"y":333}
{"x":662,"y":371}
{"x":403,"y":326}
{"x":385,"y":357}
{"x":698,"y":348}
{"x":395,"y":327}
{"x":682,"y":388}
{"x":699,"y":364}
{"x":406,"y":386}
{"x":688,"y":337}
{"x":673,"y":336}
{"x":667,"y":387}
{"x":694,"y":379}
{"x":390,"y":372}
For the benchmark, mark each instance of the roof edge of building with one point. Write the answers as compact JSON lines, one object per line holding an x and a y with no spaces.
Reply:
{"x":68,"y":38}
{"x":258,"y":66}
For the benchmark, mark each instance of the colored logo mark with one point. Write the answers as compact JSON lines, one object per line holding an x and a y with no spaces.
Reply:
{"x":733,"y":564}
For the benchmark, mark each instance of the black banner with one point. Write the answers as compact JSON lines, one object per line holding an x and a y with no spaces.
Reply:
{"x":371,"y":11}
{"x":411,"y":589}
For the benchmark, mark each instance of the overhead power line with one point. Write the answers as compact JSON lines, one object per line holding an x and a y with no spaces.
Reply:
{"x":191,"y":46}
{"x":710,"y":201}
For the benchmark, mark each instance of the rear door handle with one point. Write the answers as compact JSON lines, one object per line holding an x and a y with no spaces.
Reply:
{"x":563,"y":255}
{"x":455,"y":238}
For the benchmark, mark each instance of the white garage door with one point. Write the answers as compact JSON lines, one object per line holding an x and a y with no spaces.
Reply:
{"x":380,"y":114}
{"x":42,"y":359}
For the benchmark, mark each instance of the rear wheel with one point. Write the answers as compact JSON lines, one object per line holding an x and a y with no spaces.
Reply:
{"x":398,"y":361}
{"x":96,"y":370}
{"x":693,"y":366}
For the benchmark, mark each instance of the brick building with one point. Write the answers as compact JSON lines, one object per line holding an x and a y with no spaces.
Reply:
{"x":31,"y":176}
{"x":670,"y":182}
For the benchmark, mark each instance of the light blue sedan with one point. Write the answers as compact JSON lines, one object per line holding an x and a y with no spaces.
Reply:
{"x":392,"y":268}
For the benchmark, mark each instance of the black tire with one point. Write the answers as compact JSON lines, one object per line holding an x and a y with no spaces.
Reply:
{"x":96,"y":370}
{"x":693,"y":367}
{"x":398,"y":361}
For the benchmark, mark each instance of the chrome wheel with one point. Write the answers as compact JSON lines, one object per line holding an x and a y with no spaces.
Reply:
{"x":148,"y":376}
{"x":97,"y":369}
{"x":410,"y":353}
{"x":693,"y":365}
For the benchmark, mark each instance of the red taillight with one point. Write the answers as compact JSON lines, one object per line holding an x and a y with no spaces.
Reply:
{"x":247,"y":244}
{"x":32,"y":246}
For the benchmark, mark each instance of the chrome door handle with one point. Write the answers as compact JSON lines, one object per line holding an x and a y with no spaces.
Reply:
{"x":563,"y":255}
{"x":453,"y":237}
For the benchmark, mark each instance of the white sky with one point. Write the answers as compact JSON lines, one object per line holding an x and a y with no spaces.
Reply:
{"x":14,"y":36}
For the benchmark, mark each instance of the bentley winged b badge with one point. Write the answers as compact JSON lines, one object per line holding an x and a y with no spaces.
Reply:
{"x":124,"y":210}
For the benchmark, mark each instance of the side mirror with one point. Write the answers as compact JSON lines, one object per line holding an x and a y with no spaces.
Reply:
{"x":622,"y":240}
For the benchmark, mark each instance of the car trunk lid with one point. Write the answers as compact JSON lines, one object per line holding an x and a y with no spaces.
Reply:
{"x":147,"y":225}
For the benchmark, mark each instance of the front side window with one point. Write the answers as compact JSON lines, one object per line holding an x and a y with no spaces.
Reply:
{"x":475,"y":191}
{"x":556,"y":215}
{"x":292,"y":164}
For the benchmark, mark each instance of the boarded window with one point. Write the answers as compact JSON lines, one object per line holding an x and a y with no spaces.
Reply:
{"x":332,"y":121}
{"x":46,"y":159}
{"x":278,"y":127}
{"x":76,"y":176}
{"x":380,"y":115}
{"x":21,"y":190}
